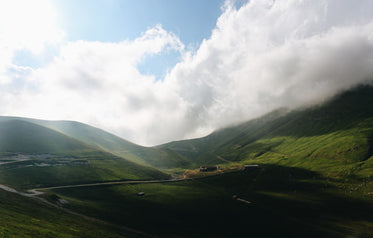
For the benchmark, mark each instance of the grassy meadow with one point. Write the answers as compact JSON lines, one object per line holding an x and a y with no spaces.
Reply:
{"x":284,"y":202}
{"x":314,"y":177}
{"x":25,"y":217}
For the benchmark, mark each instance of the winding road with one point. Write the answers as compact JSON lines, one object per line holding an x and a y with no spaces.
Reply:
{"x":35,"y":192}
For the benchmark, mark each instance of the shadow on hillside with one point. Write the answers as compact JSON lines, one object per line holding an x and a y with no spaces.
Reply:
{"x":285,"y":202}
{"x":309,"y":205}
{"x":342,"y":112}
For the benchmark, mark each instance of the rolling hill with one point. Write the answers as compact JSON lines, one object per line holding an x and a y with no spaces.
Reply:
{"x":102,"y":140}
{"x":23,"y":136}
{"x":339,"y":130}
{"x":33,"y":155}
{"x":25,"y":217}
{"x":313,"y":178}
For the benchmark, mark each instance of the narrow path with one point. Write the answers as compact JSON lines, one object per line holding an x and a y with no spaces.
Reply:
{"x":36,"y":191}
{"x":221,"y":158}
{"x":12,"y":190}
{"x":15,"y":161}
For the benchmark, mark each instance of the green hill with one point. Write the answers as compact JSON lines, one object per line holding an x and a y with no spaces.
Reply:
{"x":25,"y":217}
{"x":313,"y":178}
{"x":19,"y":135}
{"x":32,"y":155}
{"x":340,"y":130}
{"x":320,"y":138}
{"x":148,"y":156}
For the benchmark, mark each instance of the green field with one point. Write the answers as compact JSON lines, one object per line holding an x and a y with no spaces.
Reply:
{"x":84,"y":168}
{"x":72,"y":132}
{"x":285,"y":202}
{"x":24,"y":217}
{"x":32,"y":155}
{"x":340,"y":129}
{"x":314,"y":177}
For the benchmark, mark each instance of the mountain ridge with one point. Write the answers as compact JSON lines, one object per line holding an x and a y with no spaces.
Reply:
{"x":345,"y":119}
{"x":103,"y":140}
{"x":31,"y":154}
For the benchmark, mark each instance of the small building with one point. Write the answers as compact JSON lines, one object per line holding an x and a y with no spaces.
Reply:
{"x":207,"y":168}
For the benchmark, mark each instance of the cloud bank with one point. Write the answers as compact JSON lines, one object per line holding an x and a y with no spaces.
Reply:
{"x":264,"y":55}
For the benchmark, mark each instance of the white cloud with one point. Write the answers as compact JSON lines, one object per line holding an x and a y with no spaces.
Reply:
{"x":265,"y":55}
{"x":270,"y":54}
{"x":99,"y":83}
{"x":25,"y":25}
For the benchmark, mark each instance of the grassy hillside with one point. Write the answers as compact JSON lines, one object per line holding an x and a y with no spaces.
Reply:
{"x":304,"y":204}
{"x":205,"y":150}
{"x":340,"y":130}
{"x":314,"y":178}
{"x":18,"y":135}
{"x":24,"y":217}
{"x":33,"y":171}
{"x":32,"y":155}
{"x":143,"y":155}
{"x":155,"y":157}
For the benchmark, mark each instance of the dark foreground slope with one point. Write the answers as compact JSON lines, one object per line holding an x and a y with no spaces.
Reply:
{"x":313,"y":179}
{"x":24,"y":217}
{"x":270,"y":204}
{"x":32,"y":155}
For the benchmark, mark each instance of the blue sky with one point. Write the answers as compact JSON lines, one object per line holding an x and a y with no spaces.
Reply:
{"x":118,"y":20}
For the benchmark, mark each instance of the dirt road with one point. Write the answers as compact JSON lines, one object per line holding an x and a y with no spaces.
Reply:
{"x":37,"y":191}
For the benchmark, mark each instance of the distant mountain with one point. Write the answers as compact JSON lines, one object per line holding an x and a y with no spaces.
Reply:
{"x":22,"y":136}
{"x":340,"y":129}
{"x":149,"y":156}
{"x":71,"y":152}
{"x":95,"y":137}
{"x":33,"y":154}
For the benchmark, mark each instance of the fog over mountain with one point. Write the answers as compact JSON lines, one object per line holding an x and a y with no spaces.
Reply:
{"x":263,"y":55}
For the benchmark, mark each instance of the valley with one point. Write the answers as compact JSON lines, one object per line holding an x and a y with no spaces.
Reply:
{"x":186,"y":119}
{"x":306,"y":172}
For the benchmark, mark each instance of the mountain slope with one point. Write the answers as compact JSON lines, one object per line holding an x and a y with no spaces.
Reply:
{"x":341,"y":129}
{"x":155,"y":157}
{"x":19,"y":135}
{"x":206,"y":150}
{"x":32,"y":155}
{"x":25,"y":217}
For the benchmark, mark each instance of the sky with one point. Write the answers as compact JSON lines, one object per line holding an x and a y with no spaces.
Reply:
{"x":154,"y":71}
